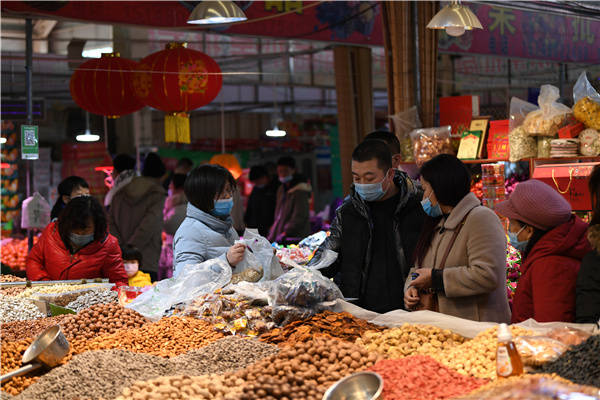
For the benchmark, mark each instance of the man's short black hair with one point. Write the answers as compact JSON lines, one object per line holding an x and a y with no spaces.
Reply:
{"x":388,"y":137}
{"x":373,"y":150}
{"x":178,"y":180}
{"x":185,"y":163}
{"x":206,"y":182}
{"x":153,"y":166}
{"x":130,"y":253}
{"x":257,"y":172}
{"x":123,"y":162}
{"x":287,"y":161}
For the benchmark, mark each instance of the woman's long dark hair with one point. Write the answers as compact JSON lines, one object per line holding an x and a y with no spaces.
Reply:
{"x":204,"y":183}
{"x":65,"y":188}
{"x":77,"y":214}
{"x":450,"y":180}
{"x":594,"y":185}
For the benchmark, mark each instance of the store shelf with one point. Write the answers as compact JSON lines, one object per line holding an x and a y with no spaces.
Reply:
{"x":530,"y":160}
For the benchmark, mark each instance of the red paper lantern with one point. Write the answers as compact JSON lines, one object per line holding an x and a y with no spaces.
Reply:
{"x":177,"y":80}
{"x":104,"y":86}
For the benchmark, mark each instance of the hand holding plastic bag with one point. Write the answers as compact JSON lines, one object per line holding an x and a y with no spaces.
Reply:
{"x":259,"y":256}
{"x":193,"y":281}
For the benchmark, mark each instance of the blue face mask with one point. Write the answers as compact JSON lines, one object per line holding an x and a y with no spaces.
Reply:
{"x":513,"y":238}
{"x":285,"y":179}
{"x":370,"y":191}
{"x":433,"y":212}
{"x":81,"y":240}
{"x":223,"y":207}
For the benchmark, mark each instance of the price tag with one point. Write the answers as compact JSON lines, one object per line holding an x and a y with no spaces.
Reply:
{"x":30,"y":149}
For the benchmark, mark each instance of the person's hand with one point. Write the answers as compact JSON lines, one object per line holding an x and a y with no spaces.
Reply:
{"x":423,"y":281}
{"x":411,"y":297}
{"x":235,"y":254}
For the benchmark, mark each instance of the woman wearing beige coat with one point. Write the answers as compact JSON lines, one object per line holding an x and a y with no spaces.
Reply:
{"x":461,"y":255}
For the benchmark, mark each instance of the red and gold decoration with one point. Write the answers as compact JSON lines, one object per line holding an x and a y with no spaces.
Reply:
{"x":177,"y":80}
{"x":229,"y":162}
{"x":104,"y":86}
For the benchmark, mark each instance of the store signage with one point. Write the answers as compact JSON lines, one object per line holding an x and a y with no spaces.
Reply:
{"x":30,"y":142}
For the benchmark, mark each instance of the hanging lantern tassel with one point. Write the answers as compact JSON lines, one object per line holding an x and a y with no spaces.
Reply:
{"x":177,"y":128}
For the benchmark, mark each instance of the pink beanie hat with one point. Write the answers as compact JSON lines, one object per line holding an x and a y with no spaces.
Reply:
{"x":536,"y":204}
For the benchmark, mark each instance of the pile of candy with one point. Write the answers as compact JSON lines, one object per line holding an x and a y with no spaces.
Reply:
{"x":513,"y":271}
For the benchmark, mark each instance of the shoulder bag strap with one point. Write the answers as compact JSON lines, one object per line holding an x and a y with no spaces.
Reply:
{"x":453,"y":239}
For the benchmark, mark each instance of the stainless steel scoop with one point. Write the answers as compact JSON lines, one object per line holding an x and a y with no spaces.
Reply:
{"x":48,"y":349}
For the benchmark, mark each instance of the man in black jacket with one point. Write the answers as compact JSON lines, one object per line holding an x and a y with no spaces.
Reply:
{"x":375,"y":231}
{"x":260,"y":210}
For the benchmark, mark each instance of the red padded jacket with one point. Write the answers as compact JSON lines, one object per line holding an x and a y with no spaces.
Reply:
{"x":546,"y":288}
{"x":50,"y":259}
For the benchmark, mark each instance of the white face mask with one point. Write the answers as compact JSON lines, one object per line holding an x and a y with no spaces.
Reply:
{"x":131,"y":268}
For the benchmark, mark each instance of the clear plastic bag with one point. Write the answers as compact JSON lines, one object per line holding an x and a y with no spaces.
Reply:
{"x":551,"y":116}
{"x":259,"y":256}
{"x":569,"y":336}
{"x":587,"y":103}
{"x":35,"y":212}
{"x":404,"y":123}
{"x":302,"y":287}
{"x":192,"y":281}
{"x":326,"y":258}
{"x":429,"y":142}
{"x":519,"y":109}
{"x":521,"y":145}
{"x":538,"y":350}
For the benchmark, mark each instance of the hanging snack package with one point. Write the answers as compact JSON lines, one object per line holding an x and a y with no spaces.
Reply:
{"x":404,"y":123}
{"x":551,"y":116}
{"x":587,"y":103}
{"x":589,"y":143}
{"x":538,"y":350}
{"x":429,"y":142}
{"x":520,"y":143}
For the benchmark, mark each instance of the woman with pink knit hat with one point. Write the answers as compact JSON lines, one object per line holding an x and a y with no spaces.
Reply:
{"x":552,"y":242}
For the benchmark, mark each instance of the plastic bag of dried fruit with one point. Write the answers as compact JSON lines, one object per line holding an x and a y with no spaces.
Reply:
{"x":302,"y":287}
{"x":587,"y":102}
{"x":193,"y":281}
{"x":404,"y":123}
{"x":259,"y":256}
{"x":538,"y":350}
{"x":551,"y":116}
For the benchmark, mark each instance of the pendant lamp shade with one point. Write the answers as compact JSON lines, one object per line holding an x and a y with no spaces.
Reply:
{"x":216,"y":12}
{"x":455,"y":18}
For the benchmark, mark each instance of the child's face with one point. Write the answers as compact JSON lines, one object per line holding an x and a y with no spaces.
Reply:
{"x":131,"y":267}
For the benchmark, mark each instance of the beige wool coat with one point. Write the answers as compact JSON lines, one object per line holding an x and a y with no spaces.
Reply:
{"x":475,"y":271}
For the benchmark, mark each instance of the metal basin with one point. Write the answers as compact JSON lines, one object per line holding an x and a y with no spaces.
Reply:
{"x":49,"y":348}
{"x":359,"y":386}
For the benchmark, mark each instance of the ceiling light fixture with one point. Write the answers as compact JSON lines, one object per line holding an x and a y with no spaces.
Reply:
{"x":87,"y":135}
{"x":455,"y":18}
{"x":210,"y":12}
{"x":275,"y":132}
{"x":2,"y":140}
{"x":275,"y":118}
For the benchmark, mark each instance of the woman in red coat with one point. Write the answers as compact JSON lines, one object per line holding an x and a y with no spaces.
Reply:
{"x":552,"y":242}
{"x":77,"y":246}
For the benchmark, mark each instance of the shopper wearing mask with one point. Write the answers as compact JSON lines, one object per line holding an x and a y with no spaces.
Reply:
{"x":374,"y":232}
{"x":552,"y":243}
{"x":461,"y":254}
{"x":77,"y":246}
{"x":207,"y":231}
{"x":587,"y":302}
{"x":68,"y":189}
{"x":132,"y":261}
{"x":292,"y":216}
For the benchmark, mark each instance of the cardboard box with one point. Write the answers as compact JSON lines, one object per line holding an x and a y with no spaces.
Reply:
{"x":570,"y":180}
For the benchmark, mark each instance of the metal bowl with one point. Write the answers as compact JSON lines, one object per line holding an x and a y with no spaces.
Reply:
{"x":359,"y":386}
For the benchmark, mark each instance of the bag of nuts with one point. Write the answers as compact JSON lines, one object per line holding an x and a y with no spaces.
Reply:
{"x":551,"y":116}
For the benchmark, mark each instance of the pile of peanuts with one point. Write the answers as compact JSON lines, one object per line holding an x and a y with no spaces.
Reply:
{"x":183,"y":387}
{"x":54,"y":289}
{"x":408,"y":340}
{"x":101,"y":319}
{"x":11,"y":278}
{"x":169,"y":337}
{"x":476,"y":357}
{"x":342,"y":325}
{"x":304,"y":370}
{"x":30,"y":328}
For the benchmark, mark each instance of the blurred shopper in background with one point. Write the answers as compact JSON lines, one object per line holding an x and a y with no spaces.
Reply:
{"x":123,"y":173}
{"x":69,"y":188}
{"x":173,"y":215}
{"x":136,"y":213}
{"x":260,"y":210}
{"x":292,"y":216}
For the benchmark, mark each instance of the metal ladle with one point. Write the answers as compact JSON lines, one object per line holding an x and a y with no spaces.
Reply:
{"x":48,"y":349}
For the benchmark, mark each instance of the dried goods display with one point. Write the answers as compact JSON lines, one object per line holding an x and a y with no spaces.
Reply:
{"x":589,"y":142}
{"x":230,"y":315}
{"x":11,"y":278}
{"x":477,"y":357}
{"x":587,"y":111}
{"x":412,"y":378}
{"x":61,"y":293}
{"x":93,"y":297}
{"x":533,"y":387}
{"x":551,"y":116}
{"x":16,"y":309}
{"x":408,"y":340}
{"x":580,"y":364}
{"x":521,"y":145}
{"x":430,"y":142}
{"x":569,"y":336}
{"x":18,"y":330}
{"x":304,"y":370}
{"x":10,"y":359}
{"x":537,"y":350}
{"x":169,"y":337}
{"x":339,"y":325}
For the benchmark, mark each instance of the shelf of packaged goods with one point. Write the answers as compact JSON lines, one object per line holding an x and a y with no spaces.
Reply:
{"x":531,"y":161}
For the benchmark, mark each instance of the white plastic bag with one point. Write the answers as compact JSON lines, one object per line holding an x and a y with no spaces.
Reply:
{"x":302,"y":287}
{"x":259,"y":254}
{"x":587,"y":103}
{"x":405,"y":122}
{"x":551,"y":116}
{"x":583,"y":88}
{"x":192,"y":281}
{"x":327,"y":258}
{"x":35,"y":212}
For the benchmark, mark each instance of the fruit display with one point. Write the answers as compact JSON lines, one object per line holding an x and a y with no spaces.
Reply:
{"x":14,"y":253}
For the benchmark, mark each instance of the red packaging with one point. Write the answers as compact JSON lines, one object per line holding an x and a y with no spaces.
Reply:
{"x":458,"y":111}
{"x":570,"y":180}
{"x":497,"y":145}
{"x":571,"y":131}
